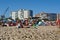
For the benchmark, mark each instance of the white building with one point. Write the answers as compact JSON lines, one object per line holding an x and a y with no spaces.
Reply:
{"x":27,"y":13}
{"x":14,"y":15}
{"x":22,"y":14}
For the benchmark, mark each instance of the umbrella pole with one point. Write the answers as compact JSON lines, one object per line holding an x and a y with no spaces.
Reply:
{"x":58,"y":20}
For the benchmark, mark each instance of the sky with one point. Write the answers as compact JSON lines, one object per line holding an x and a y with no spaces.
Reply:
{"x":49,"y":6}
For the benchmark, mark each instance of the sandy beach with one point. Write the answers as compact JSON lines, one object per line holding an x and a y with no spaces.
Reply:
{"x":39,"y":33}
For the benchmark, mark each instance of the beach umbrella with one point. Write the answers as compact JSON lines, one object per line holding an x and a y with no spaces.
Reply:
{"x":58,"y":21}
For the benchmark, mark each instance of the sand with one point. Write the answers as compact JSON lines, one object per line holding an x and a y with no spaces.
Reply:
{"x":39,"y":33}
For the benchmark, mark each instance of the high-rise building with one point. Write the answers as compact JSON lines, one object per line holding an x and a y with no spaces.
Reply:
{"x":22,"y":14}
{"x":14,"y":15}
{"x":28,"y":13}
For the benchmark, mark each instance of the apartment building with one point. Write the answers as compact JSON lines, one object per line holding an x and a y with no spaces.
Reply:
{"x":22,"y":14}
{"x":14,"y":15}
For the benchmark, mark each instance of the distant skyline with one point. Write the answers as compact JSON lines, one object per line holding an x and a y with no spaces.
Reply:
{"x":50,"y":6}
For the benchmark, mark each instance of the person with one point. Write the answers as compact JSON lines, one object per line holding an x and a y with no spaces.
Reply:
{"x":19,"y":24}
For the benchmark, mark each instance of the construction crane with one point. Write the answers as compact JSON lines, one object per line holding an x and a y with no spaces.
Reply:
{"x":3,"y":16}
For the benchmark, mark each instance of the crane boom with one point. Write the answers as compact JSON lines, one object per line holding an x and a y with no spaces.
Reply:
{"x":3,"y":16}
{"x":6,"y":11}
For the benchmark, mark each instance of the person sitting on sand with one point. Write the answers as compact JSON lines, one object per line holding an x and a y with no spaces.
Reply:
{"x":19,"y":24}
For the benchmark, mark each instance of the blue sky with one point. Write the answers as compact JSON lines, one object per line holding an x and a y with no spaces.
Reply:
{"x":51,"y":6}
